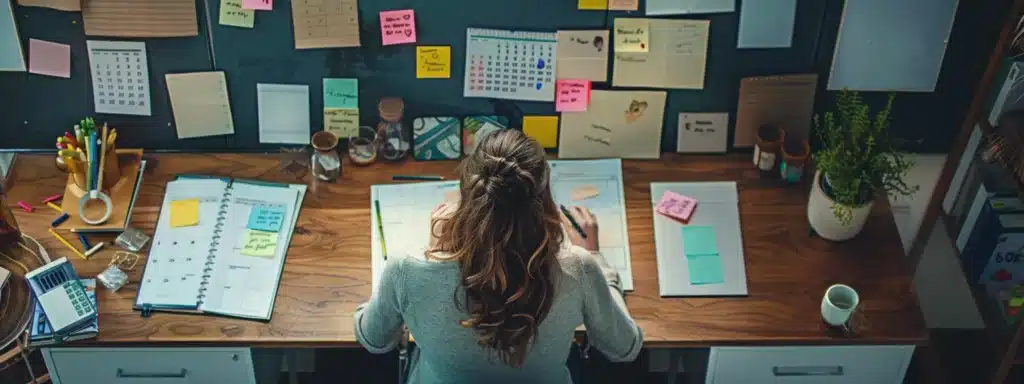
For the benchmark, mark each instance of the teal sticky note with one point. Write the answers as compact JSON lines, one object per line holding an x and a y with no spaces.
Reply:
{"x":266,"y":218}
{"x":699,"y":240}
{"x":705,"y":269}
{"x":341,"y":93}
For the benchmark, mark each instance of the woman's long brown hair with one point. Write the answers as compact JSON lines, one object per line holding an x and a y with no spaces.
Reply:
{"x":505,"y":235}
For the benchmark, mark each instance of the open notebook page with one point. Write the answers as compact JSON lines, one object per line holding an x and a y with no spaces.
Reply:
{"x":174,"y":267}
{"x":242,"y":285}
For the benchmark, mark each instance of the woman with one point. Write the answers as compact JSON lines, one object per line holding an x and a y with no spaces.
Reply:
{"x":499,"y":294}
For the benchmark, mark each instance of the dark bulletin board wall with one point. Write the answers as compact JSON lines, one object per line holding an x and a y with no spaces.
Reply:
{"x":37,"y":108}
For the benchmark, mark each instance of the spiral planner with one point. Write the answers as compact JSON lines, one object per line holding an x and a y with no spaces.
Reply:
{"x":513,"y":65}
{"x":205,"y":260}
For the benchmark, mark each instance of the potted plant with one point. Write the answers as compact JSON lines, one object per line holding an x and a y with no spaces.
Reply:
{"x":855,"y":164}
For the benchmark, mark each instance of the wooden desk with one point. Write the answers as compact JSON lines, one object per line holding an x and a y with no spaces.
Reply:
{"x":327,"y":272}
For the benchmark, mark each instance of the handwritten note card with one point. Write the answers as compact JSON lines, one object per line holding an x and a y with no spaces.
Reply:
{"x":259,"y":243}
{"x":263,"y":5}
{"x":676,"y":206}
{"x":184,"y":213}
{"x":702,"y":132}
{"x":433,"y":62}
{"x":266,"y":218}
{"x":632,"y":35}
{"x":573,"y":95}
{"x":341,"y":93}
{"x":342,"y":122}
{"x":676,"y":57}
{"x":232,"y":13}
{"x":51,"y":59}
{"x":397,"y":27}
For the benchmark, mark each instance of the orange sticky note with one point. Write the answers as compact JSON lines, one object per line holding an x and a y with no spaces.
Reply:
{"x":584,"y":192}
{"x":572,"y":95}
{"x":184,"y":213}
{"x":544,"y":129}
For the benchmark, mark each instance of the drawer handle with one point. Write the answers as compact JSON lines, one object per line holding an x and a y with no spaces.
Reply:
{"x":121,"y":374}
{"x":808,"y":371}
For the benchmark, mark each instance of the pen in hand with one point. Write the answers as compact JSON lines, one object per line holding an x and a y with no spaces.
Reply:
{"x":573,"y":221}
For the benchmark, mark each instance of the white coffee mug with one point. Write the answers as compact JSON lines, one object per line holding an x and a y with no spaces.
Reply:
{"x":838,"y":304}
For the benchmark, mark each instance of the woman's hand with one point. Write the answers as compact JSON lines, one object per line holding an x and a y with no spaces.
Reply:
{"x":441,"y":211}
{"x":588,"y":222}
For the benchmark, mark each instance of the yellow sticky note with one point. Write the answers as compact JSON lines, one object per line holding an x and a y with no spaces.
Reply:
{"x":433,"y":62}
{"x":544,"y":129}
{"x":184,"y":213}
{"x":632,"y":35}
{"x":232,"y":13}
{"x":1017,"y":302}
{"x":259,"y":243}
{"x":342,"y":122}
{"x":593,"y":4}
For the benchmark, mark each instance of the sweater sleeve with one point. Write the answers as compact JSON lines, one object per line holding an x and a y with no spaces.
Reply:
{"x":379,"y":322}
{"x":609,"y":325}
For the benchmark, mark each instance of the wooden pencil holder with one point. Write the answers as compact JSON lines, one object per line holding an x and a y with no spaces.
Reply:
{"x":111,"y":171}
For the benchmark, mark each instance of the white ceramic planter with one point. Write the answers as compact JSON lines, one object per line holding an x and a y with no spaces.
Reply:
{"x":825,"y":223}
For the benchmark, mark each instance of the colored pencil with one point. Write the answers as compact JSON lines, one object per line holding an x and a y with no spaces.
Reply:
{"x":380,"y":229}
{"x":573,"y":222}
{"x":67,"y":243}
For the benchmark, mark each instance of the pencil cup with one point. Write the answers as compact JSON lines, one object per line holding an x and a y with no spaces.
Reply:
{"x":111,"y":171}
{"x":838,"y":304}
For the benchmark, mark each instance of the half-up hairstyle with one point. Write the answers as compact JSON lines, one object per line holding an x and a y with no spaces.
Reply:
{"x":505,"y":235}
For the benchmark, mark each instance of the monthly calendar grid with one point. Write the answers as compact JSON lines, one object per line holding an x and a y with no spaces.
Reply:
{"x":120,"y":77}
{"x":510,"y":64}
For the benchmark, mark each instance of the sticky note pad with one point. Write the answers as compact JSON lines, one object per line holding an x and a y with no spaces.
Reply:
{"x":1017,"y":302}
{"x":51,"y":59}
{"x":263,"y":5}
{"x":592,"y":5}
{"x":544,"y":129}
{"x":676,"y":206}
{"x":572,"y":95}
{"x":259,"y":243}
{"x":342,"y":122}
{"x":699,"y":240}
{"x":184,"y":213}
{"x":433,"y":62}
{"x":398,"y":27}
{"x":266,"y":218}
{"x":232,"y":13}
{"x":632,"y":35}
{"x":705,"y":269}
{"x":341,"y":93}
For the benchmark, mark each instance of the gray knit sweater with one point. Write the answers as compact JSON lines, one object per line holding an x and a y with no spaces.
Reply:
{"x":419,"y":294}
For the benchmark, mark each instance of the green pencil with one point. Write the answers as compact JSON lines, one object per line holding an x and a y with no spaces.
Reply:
{"x":380,"y":229}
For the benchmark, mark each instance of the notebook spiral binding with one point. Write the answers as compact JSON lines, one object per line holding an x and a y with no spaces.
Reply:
{"x":222,"y":210}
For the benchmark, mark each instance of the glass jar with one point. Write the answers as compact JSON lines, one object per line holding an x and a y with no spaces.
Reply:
{"x":9,"y":231}
{"x":362,"y":148}
{"x":396,"y":142}
{"x":325,"y":162}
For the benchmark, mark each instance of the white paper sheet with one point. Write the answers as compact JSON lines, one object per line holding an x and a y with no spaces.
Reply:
{"x":11,"y":56}
{"x":283,"y":113}
{"x":766,"y":24}
{"x":681,"y":7}
{"x":583,"y":55}
{"x":511,"y":65}
{"x":120,"y":77}
{"x":200,"y":104}
{"x":676,"y":59}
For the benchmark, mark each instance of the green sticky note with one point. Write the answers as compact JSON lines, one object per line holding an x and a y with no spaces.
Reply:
{"x":705,"y":269}
{"x":232,"y":13}
{"x":699,"y":240}
{"x":1017,"y":302}
{"x":341,"y":93}
{"x":259,"y":243}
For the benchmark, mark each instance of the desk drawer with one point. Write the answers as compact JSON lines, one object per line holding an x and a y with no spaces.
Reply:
{"x":149,"y":365}
{"x":802,"y":365}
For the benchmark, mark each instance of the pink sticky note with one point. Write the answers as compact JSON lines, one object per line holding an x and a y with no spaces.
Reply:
{"x":262,"y":5}
{"x":51,"y":59}
{"x":572,"y":95}
{"x":397,"y":27}
{"x":676,"y":206}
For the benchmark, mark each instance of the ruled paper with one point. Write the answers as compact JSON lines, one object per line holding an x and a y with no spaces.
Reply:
{"x":325,"y":23}
{"x":140,"y":18}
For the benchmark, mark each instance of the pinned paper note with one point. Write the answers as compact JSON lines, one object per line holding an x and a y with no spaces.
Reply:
{"x":263,"y":5}
{"x":200,"y":104}
{"x":705,"y":269}
{"x":341,"y":93}
{"x":433,"y":62}
{"x":592,"y":5}
{"x":623,"y":5}
{"x":232,"y":13}
{"x":676,"y":206}
{"x":342,"y":122}
{"x":184,"y":213}
{"x":632,"y":35}
{"x":544,"y":129}
{"x":699,"y":240}
{"x":325,"y":23}
{"x":572,"y":95}
{"x":266,"y":218}
{"x":583,"y":55}
{"x":398,"y":27}
{"x":584,"y":192}
{"x":51,"y":59}
{"x":259,"y":243}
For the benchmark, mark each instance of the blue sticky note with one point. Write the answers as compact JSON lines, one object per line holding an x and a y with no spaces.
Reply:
{"x":705,"y":269}
{"x":266,"y":218}
{"x":341,"y":93}
{"x":699,"y":240}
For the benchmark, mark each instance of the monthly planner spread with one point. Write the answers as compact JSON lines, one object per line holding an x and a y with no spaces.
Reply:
{"x":510,"y":64}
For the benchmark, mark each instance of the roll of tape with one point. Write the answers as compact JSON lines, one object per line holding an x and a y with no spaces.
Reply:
{"x":95,"y":195}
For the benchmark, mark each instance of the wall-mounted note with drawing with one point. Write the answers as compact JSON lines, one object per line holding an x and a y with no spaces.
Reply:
{"x":632,"y":35}
{"x":140,"y":18}
{"x":572,"y":95}
{"x":232,"y":13}
{"x":786,"y":101}
{"x":433,"y":62}
{"x":623,"y":124}
{"x":676,"y":58}
{"x":325,"y":23}
{"x":583,"y":55}
{"x":398,"y":27}
{"x":702,"y":132}
{"x":200,"y":104}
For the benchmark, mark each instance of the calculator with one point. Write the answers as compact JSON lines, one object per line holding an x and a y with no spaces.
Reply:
{"x":62,"y":296}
